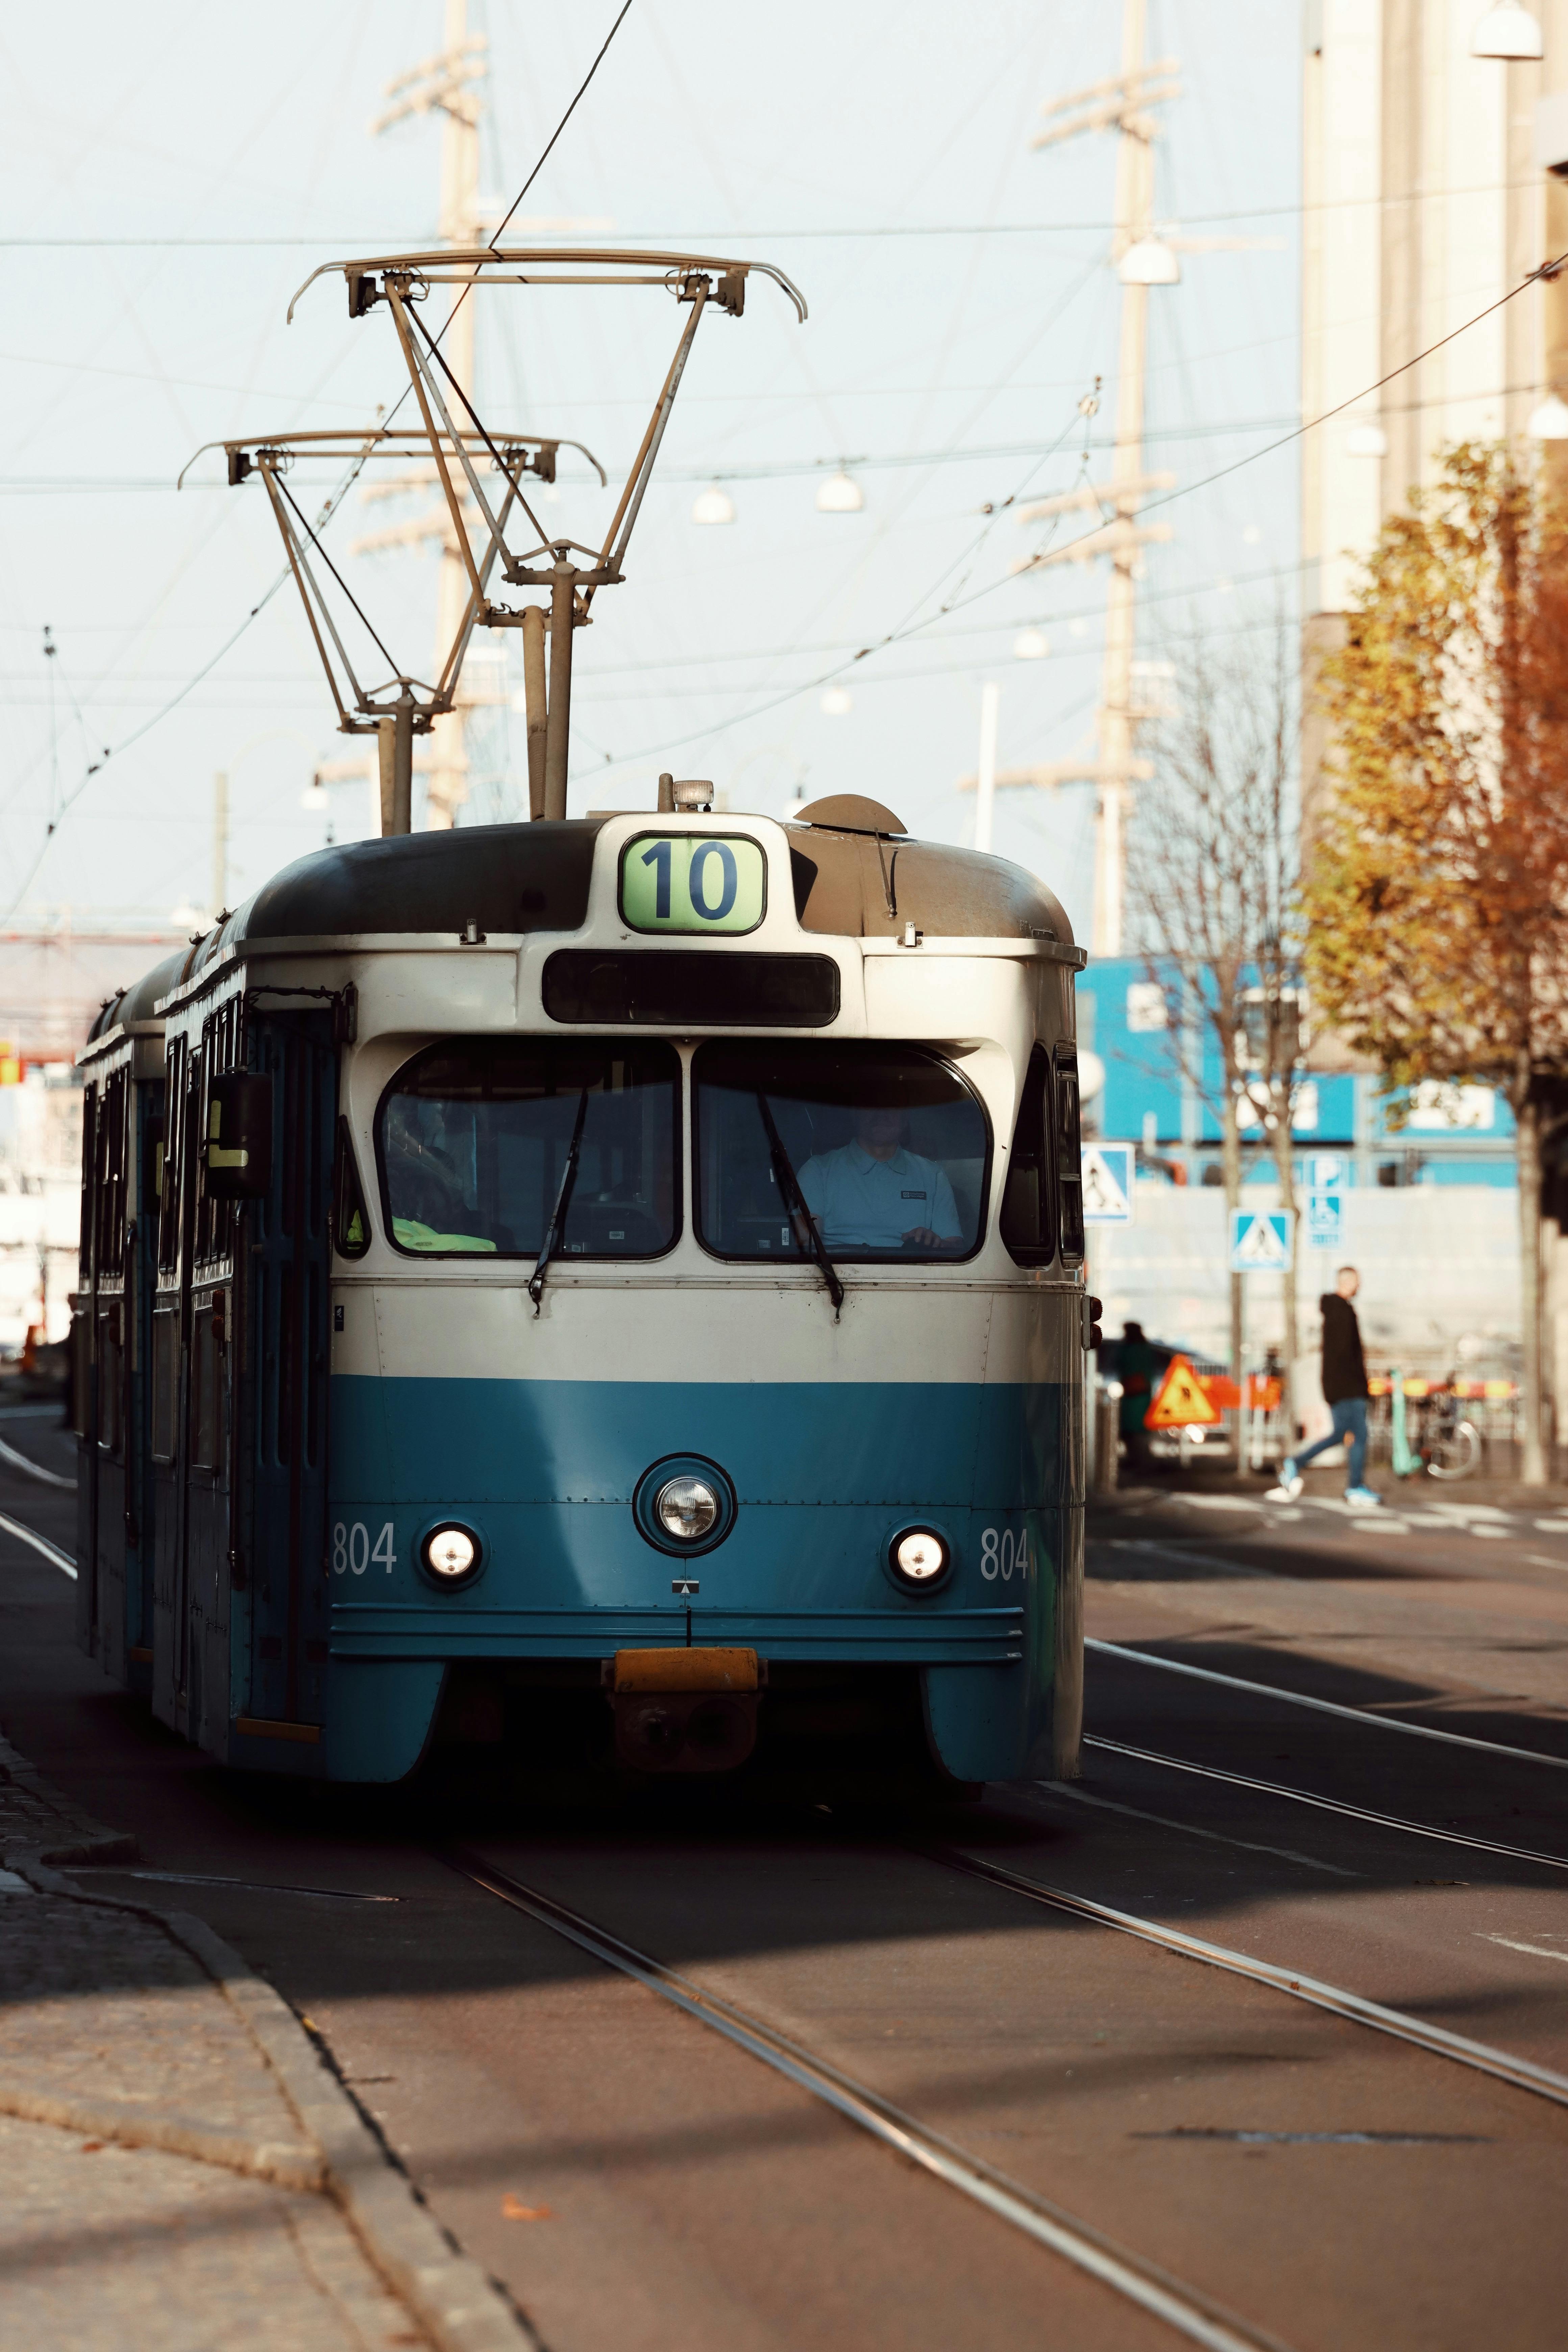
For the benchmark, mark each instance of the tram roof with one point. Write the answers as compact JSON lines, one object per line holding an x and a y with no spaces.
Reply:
{"x":857,"y":874}
{"x":139,"y":1001}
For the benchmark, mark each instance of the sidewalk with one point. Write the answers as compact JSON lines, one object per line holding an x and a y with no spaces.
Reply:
{"x":179,"y":2171}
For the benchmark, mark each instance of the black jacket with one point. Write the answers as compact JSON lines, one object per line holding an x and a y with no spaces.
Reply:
{"x":1344,"y":1366}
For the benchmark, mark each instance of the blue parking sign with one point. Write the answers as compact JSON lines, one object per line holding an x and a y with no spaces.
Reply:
{"x":1325,"y":1219}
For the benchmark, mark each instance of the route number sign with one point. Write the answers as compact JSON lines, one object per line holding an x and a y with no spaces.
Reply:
{"x":693,"y":882}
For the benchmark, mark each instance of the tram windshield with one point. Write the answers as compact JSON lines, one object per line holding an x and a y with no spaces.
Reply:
{"x":474,"y":1137}
{"x":884,"y":1145}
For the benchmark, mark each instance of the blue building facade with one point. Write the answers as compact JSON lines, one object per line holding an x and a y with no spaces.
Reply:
{"x":1162,"y":1079}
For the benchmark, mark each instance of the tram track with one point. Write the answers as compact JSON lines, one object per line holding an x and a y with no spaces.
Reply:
{"x":1124,"y":1651}
{"x":1329,"y":1804}
{"x":1186,"y":2310}
{"x":1521,"y":2074}
{"x":40,"y":1544}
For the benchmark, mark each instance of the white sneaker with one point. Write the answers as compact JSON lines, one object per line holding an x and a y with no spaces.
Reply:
{"x":1287,"y":1490}
{"x":1363,"y":1498}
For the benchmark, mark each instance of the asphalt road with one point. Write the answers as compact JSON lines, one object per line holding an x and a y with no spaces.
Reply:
{"x":1282,"y":2173}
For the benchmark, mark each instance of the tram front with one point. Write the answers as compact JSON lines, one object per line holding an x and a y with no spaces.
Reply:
{"x":708,"y":1312}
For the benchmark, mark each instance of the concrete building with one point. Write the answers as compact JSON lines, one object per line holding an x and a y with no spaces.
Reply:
{"x":1434,"y":182}
{"x":1426,"y":198}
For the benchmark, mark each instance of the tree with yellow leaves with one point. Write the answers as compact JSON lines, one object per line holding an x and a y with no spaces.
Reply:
{"x":1435,"y":893}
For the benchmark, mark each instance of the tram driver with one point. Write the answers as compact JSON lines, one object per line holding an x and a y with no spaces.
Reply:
{"x":875,"y":1194}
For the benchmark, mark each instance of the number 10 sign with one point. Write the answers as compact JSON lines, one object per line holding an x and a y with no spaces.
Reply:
{"x":693,"y":882}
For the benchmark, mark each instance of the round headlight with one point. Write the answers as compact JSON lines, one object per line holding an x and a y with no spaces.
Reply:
{"x":450,"y":1553}
{"x":919,"y":1559}
{"x":685,"y":1508}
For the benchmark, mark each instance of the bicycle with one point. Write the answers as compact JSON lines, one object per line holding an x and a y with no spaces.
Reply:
{"x":1447,"y":1442}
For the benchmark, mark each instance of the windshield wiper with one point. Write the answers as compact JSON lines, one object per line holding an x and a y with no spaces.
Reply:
{"x":562,"y":1203}
{"x":795,"y":1199}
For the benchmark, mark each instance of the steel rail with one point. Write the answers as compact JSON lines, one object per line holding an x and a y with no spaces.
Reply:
{"x":52,"y":1552}
{"x":1183,"y":2308}
{"x":1522,"y":2073}
{"x":1327,"y":1705}
{"x":1329,"y":1804}
{"x":32,"y":1469}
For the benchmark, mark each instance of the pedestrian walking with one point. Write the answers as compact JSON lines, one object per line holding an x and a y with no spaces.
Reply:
{"x":1344,"y":1393}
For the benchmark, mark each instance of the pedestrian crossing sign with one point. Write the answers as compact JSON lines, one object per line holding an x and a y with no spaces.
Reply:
{"x":1108,"y":1184}
{"x":1259,"y":1241}
{"x":1181,"y":1400}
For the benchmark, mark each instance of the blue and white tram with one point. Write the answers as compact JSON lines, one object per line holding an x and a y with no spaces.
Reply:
{"x":598,"y":1290}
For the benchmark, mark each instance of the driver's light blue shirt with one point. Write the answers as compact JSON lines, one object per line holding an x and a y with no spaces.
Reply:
{"x":860,"y":1202}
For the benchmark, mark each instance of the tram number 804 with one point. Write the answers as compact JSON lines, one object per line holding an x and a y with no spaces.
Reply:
{"x":1001,"y":1554}
{"x":352,"y":1551}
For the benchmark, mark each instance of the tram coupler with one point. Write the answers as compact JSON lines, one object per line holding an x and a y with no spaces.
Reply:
{"x":689,"y":1711}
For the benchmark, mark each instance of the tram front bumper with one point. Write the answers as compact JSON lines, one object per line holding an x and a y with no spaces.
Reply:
{"x":687,"y":1710}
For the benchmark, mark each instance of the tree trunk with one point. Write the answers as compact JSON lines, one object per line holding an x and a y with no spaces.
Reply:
{"x":1282,"y":1139}
{"x":1526,"y":1114}
{"x":1230,"y":1161}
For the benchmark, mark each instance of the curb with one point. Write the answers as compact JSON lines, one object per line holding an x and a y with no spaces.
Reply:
{"x":131,"y":2127}
{"x":445,"y":2289}
{"x":82,"y":1839}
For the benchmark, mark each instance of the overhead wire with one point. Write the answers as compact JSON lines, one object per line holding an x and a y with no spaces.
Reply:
{"x":904,"y":628}
{"x":332,"y":505}
{"x":1547,"y":270}
{"x":787,"y":232}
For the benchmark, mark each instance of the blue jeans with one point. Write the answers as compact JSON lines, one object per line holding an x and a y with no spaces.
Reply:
{"x":1350,"y":1429}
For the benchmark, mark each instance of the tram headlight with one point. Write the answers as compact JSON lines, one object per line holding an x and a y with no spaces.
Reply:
{"x":918,"y":1559}
{"x":686,"y":1508}
{"x":451,"y":1554}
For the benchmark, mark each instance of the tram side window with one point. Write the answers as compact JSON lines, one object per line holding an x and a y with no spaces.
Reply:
{"x":351,"y":1223}
{"x":81,"y":1365}
{"x":88,"y":1182}
{"x":110,"y":1377}
{"x":207,"y":1383}
{"x":474,"y":1137}
{"x":171,"y":1157}
{"x":166,"y":1381}
{"x":887,"y":1144}
{"x":111,"y":1154}
{"x":1029,"y":1198}
{"x":1069,"y":1154}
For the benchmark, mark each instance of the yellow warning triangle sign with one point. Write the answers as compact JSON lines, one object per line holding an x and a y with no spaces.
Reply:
{"x":1181,"y":1400}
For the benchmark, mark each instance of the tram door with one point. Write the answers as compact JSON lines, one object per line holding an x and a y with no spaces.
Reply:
{"x":141,"y":1282}
{"x":240,"y":1354}
{"x":279,"y":1676}
{"x":102,"y":1371}
{"x":194,"y":1250}
{"x":241,"y":1389}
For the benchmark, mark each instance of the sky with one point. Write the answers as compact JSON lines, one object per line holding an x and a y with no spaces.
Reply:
{"x":171,"y":178}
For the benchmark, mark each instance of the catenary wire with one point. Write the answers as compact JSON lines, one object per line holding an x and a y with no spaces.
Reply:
{"x":332,"y":506}
{"x":1546,"y":271}
{"x":780,"y":234}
